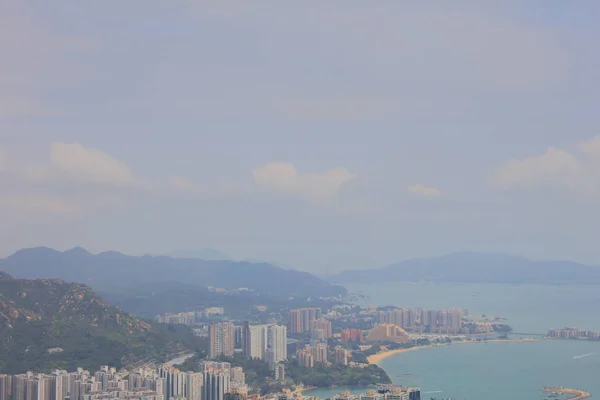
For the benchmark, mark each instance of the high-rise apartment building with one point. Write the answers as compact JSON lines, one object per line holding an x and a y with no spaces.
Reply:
{"x":277,"y":342}
{"x":239,"y":337}
{"x":19,"y":386}
{"x":266,"y":342}
{"x":301,"y":318}
{"x":238,"y":376}
{"x":319,"y":353}
{"x":280,"y":372}
{"x":222,"y":339}
{"x":256,"y":341}
{"x":27,"y":386}
{"x":175,"y":381}
{"x":322,"y":324}
{"x":246,"y":340}
{"x":352,"y":335}
{"x":5,"y":387}
{"x":305,"y":357}
{"x":216,"y":384}
{"x":194,"y":384}
{"x":341,"y":356}
{"x":317,"y":335}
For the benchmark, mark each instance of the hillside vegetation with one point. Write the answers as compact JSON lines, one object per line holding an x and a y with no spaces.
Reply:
{"x":46,"y":324}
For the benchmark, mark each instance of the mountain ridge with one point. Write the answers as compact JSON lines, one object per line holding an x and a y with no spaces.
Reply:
{"x":100,"y":271}
{"x":473,"y":267}
{"x":208,"y":254}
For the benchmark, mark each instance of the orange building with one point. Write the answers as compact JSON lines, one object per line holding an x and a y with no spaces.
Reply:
{"x":388,"y":333}
{"x":352,"y":335}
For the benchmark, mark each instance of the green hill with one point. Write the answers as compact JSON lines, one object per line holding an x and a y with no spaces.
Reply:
{"x":46,"y":324}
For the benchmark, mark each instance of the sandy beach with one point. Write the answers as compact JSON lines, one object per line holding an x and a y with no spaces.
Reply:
{"x":377,"y":358}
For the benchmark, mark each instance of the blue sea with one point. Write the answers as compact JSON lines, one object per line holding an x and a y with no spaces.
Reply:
{"x":496,"y":371}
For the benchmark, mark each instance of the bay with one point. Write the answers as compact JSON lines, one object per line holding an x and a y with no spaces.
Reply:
{"x":495,"y":371}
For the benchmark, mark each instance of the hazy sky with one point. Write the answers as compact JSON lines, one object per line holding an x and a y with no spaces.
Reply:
{"x":323,"y":135}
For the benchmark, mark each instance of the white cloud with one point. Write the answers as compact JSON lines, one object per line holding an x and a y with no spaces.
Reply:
{"x":44,"y":204}
{"x":554,"y":167}
{"x":283,"y":178}
{"x":89,"y":165}
{"x":424,"y":190}
{"x":576,"y":171}
{"x":74,"y":162}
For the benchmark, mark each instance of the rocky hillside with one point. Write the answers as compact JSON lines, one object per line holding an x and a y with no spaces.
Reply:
{"x":47,"y":324}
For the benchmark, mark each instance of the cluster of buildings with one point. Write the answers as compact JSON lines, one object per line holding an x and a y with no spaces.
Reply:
{"x":318,"y":353}
{"x":214,"y":382}
{"x":310,"y":320}
{"x":309,"y":355}
{"x":423,"y":320}
{"x":190,"y":318}
{"x":301,"y":319}
{"x":573,"y":333}
{"x":264,"y":342}
{"x":388,"y":393}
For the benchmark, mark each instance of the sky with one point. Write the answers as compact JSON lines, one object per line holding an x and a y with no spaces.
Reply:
{"x":322,"y":135}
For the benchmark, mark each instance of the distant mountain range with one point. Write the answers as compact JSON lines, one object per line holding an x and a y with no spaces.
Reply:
{"x":112,"y":271}
{"x":470,"y":267}
{"x":47,"y":324}
{"x":216,"y":255}
{"x":203,"y":254}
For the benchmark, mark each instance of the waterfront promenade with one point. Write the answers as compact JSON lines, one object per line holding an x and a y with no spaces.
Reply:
{"x":576,"y":394}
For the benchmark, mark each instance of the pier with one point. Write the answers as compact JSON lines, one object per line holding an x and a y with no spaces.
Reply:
{"x":577,"y":394}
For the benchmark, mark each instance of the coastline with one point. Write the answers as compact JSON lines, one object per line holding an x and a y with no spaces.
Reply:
{"x":305,"y":388}
{"x":379,"y":357}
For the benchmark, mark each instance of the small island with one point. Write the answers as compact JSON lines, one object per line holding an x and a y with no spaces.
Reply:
{"x":576,"y":394}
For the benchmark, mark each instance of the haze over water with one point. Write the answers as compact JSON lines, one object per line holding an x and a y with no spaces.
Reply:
{"x":529,"y":308}
{"x":496,"y":371}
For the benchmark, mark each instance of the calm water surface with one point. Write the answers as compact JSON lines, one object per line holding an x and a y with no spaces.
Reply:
{"x":496,"y":371}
